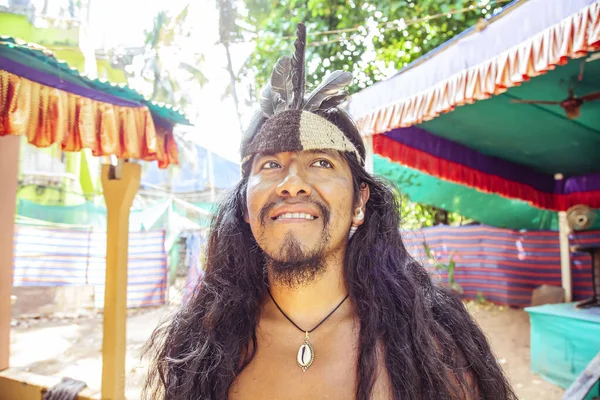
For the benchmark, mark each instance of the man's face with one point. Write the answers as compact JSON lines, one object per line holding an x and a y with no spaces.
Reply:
{"x":300,"y":206}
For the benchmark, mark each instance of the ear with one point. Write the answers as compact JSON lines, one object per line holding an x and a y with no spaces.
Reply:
{"x":246,"y":217}
{"x":365,"y":194}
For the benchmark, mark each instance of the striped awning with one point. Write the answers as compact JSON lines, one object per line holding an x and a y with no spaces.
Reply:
{"x":538,"y":36}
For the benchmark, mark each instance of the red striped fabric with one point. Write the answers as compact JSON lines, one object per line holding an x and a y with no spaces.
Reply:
{"x":58,"y":257}
{"x":503,"y":265}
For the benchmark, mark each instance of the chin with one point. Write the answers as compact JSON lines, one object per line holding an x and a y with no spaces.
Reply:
{"x":306,"y":247}
{"x":279,"y":246}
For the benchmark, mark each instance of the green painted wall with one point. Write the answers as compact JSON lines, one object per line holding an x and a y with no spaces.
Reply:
{"x":18,"y":26}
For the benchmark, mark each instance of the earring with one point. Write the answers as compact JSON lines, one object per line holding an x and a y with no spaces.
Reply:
{"x":353,"y":230}
{"x":359,"y":215}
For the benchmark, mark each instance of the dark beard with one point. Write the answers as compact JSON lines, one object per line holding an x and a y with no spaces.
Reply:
{"x":295,"y":265}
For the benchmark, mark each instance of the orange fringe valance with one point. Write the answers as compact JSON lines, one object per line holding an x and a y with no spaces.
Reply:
{"x":573,"y":37}
{"x":488,"y":183}
{"x":46,"y":115}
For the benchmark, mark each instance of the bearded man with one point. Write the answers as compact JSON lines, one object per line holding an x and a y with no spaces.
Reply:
{"x":309,"y":292}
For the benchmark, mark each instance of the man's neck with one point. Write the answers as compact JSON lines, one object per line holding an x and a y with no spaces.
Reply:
{"x":309,"y":304}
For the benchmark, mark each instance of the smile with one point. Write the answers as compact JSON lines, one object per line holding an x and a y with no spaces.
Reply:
{"x":292,"y":216}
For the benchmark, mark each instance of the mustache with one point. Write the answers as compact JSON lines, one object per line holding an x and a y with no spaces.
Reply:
{"x":324,"y":210}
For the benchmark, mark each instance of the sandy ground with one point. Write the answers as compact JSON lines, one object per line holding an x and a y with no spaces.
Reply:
{"x":508,"y":332}
{"x":71,"y":347}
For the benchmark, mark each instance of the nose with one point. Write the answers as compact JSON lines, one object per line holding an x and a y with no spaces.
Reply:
{"x":293,"y":185}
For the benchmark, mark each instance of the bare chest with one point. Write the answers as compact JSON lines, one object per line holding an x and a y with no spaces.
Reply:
{"x":275,"y":374}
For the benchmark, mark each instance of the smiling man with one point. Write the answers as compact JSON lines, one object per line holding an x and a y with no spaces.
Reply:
{"x":309,"y":292}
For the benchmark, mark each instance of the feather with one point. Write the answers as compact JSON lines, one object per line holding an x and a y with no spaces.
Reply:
{"x":334,"y":100}
{"x":282,"y":87}
{"x":330,"y":91}
{"x":298,"y":69}
{"x":266,"y":101}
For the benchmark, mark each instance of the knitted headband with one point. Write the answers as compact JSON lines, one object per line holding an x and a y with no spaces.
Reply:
{"x":289,"y":121}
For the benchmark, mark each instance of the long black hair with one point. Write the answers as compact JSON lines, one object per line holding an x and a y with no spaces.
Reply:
{"x":432,"y":347}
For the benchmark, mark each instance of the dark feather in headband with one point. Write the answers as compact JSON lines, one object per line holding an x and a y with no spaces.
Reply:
{"x":298,"y":71}
{"x":292,"y":120}
{"x":285,"y":90}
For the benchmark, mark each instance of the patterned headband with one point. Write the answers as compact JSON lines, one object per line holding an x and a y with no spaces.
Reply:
{"x":290,"y":121}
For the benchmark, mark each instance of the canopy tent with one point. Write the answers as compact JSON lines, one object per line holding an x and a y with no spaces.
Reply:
{"x":495,"y":160}
{"x":45,"y":100}
{"x":49,"y":102}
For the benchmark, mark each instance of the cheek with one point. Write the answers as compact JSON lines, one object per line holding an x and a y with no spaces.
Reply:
{"x":340,"y":199}
{"x":256,"y":198}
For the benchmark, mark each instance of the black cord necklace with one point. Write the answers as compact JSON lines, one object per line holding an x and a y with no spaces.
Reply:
{"x":306,"y":354}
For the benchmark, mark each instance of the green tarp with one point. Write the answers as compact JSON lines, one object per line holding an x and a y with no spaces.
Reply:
{"x":489,"y":209}
{"x":159,"y":215}
{"x":538,"y":136}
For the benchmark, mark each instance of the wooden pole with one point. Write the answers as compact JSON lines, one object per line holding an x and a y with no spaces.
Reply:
{"x":565,"y":255}
{"x":9,"y":173}
{"x":369,"y":154}
{"x":119,"y":184}
{"x":565,"y":250}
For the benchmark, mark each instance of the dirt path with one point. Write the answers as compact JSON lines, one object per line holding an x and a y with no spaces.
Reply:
{"x":72,"y":348}
{"x":508,"y":332}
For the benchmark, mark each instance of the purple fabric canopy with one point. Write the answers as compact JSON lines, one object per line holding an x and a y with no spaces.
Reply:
{"x":58,"y":83}
{"x":422,"y":140}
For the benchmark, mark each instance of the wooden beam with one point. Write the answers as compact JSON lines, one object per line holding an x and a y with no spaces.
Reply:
{"x":28,"y":386}
{"x":9,"y":171}
{"x":119,"y":186}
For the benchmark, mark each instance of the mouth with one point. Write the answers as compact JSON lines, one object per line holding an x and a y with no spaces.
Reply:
{"x":294,"y":217}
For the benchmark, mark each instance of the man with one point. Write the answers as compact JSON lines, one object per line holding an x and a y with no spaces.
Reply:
{"x":309,"y":292}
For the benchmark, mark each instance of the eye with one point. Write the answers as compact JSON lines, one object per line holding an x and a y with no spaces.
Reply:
{"x":270,"y":165}
{"x":322,"y":164}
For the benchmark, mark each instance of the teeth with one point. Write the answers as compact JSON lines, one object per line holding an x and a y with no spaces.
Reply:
{"x":296,"y":216}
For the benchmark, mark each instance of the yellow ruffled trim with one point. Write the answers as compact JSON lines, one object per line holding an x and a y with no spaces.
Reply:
{"x":47,"y":116}
{"x":573,"y":37}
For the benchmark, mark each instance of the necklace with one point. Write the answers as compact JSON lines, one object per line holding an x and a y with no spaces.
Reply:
{"x":306,"y":354}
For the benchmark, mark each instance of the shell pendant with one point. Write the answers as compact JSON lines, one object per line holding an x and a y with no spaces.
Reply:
{"x":306,"y":354}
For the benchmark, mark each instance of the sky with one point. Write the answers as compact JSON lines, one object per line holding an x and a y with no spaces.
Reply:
{"x":122,"y":23}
